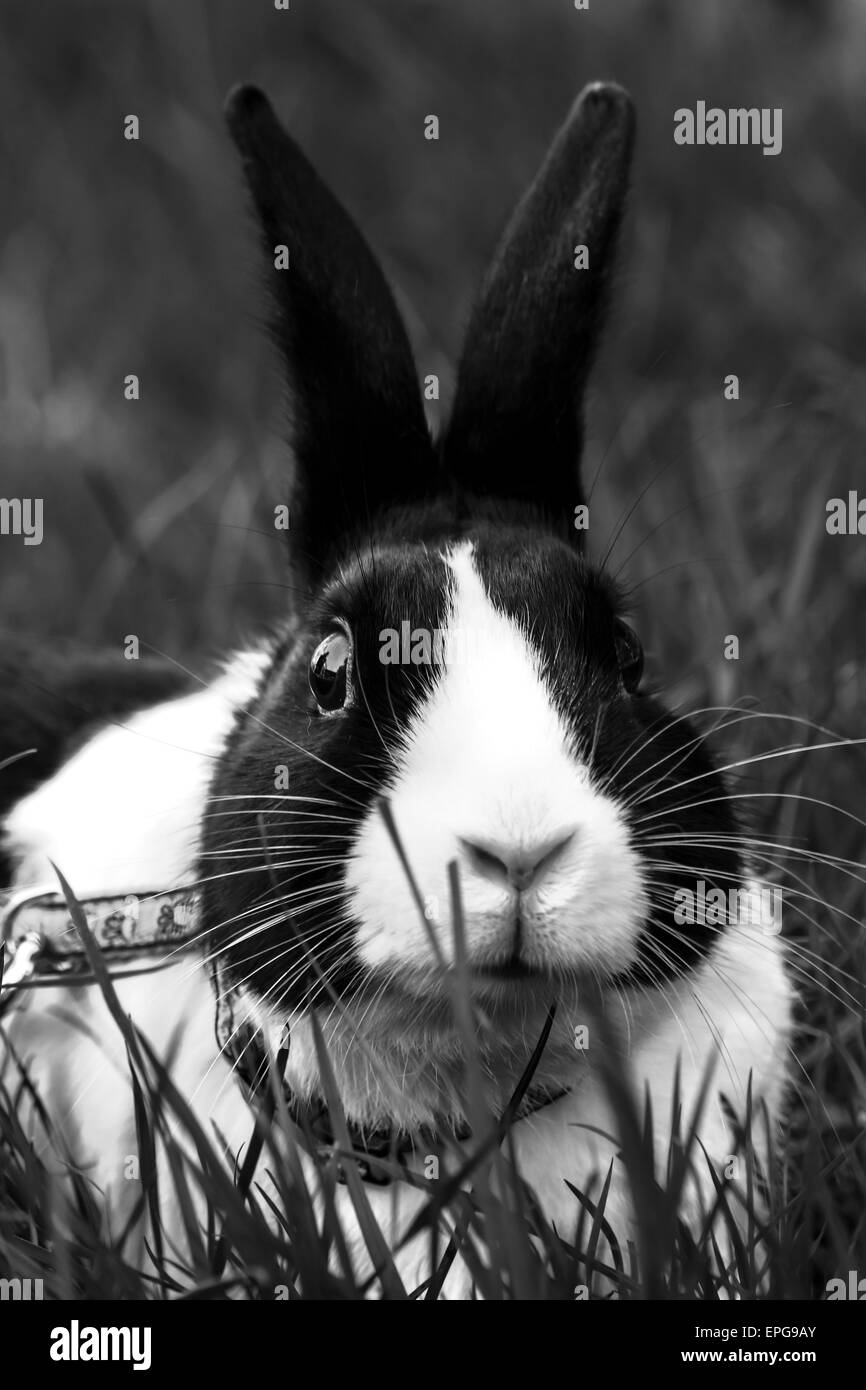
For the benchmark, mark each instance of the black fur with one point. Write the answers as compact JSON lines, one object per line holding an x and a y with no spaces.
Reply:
{"x":357,"y":421}
{"x":358,"y":429}
{"x":517,"y":425}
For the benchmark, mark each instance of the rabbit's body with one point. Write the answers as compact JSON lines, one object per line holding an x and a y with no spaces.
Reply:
{"x":732,"y":1013}
{"x":516,"y":743}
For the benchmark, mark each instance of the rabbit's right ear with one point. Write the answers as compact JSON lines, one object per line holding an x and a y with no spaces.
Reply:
{"x":517,"y":425}
{"x":359,"y":434}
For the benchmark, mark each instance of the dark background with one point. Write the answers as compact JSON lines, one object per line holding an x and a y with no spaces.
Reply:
{"x":119,"y":257}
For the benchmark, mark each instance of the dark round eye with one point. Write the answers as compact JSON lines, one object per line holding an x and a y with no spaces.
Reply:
{"x":329,"y":669}
{"x":629,"y":654}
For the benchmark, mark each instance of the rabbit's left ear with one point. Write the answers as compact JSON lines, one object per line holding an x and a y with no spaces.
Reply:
{"x":517,"y":426}
{"x":359,"y":434}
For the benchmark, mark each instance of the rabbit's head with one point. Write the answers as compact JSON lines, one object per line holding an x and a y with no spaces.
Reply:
{"x":459,"y":656}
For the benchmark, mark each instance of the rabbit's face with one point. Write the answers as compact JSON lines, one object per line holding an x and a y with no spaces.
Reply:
{"x":460,"y":660}
{"x":497,"y":763}
{"x":489,"y":689}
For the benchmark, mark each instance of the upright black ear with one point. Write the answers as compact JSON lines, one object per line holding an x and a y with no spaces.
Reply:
{"x":517,"y":426}
{"x":358,"y":429}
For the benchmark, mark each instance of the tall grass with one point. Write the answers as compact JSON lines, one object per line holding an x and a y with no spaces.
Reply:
{"x":240,"y":1236}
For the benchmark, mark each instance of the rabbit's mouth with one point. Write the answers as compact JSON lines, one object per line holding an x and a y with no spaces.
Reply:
{"x":515,"y":968}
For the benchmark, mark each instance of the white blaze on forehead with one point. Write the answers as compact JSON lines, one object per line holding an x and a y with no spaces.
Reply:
{"x":492,"y":711}
{"x":489,"y":759}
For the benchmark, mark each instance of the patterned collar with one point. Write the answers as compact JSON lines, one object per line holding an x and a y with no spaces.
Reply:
{"x":41,"y":947}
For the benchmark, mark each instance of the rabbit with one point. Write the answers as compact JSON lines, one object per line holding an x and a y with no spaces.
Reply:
{"x":534,"y":758}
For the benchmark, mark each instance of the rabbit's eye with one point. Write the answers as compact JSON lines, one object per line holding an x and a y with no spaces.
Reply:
{"x":629,"y":655}
{"x":329,"y":668}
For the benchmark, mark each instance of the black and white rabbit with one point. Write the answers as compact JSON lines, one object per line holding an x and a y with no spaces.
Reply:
{"x":530,"y":753}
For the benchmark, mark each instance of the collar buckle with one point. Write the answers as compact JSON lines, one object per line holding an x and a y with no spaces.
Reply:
{"x":41,"y":947}
{"x":20,"y":953}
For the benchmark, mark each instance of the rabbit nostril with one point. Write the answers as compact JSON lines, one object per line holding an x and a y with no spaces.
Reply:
{"x":517,"y":867}
{"x":483,"y":858}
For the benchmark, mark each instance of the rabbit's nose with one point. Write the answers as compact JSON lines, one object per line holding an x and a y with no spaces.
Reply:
{"x":519,"y":866}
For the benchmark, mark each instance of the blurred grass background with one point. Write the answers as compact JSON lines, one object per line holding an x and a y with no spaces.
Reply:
{"x":119,"y":257}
